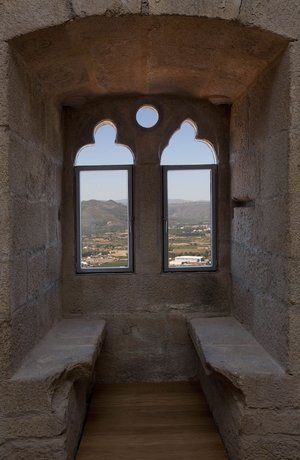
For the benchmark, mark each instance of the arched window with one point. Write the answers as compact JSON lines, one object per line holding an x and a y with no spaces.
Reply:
{"x":104,"y":204}
{"x":189,"y":220}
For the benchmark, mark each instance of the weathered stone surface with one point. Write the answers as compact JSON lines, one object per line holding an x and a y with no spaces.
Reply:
{"x":4,"y":82}
{"x":220,"y":59}
{"x":45,"y":400}
{"x":272,"y":16}
{"x":46,"y":449}
{"x":5,"y":356}
{"x":227,"y":349}
{"x":27,"y":16}
{"x":252,"y":412}
{"x":227,"y":9}
{"x":269,"y":421}
{"x":82,"y":8}
{"x":272,"y":447}
{"x":232,"y":56}
{"x":70,"y":347}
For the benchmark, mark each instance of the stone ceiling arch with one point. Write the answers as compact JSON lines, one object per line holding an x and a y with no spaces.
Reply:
{"x":100,"y":56}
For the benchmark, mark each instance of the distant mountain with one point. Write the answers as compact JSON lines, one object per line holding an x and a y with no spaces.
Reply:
{"x":189,"y":212}
{"x":177,"y":201}
{"x":124,"y":201}
{"x":97,"y":215}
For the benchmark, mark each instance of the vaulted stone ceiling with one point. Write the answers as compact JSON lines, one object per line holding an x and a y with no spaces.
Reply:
{"x":204,"y":58}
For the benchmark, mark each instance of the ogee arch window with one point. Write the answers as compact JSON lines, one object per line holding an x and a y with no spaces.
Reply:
{"x":104,"y":204}
{"x":189,"y":220}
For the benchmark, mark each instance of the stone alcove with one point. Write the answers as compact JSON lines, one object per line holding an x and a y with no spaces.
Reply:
{"x":58,"y":94}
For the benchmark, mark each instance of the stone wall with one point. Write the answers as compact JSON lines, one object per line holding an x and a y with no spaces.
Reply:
{"x":34,"y":200}
{"x":260,"y":251}
{"x":49,"y":66}
{"x":146,"y":310}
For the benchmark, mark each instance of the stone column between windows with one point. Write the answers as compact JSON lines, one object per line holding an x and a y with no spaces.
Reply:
{"x":147,"y":204}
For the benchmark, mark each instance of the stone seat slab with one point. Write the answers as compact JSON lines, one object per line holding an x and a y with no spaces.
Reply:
{"x":72,"y":344}
{"x":227,"y":349}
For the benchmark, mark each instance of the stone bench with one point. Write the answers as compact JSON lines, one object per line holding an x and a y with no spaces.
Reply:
{"x":243,"y":385}
{"x":227,"y":350}
{"x":49,"y":391}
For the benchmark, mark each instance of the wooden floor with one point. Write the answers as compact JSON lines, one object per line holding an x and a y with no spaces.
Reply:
{"x":159,"y":421}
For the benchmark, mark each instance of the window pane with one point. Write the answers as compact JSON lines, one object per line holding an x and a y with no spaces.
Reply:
{"x":189,"y":218}
{"x":104,"y":219}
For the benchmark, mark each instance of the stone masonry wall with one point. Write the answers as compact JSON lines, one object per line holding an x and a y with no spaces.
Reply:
{"x":146,"y":310}
{"x":34,"y":200}
{"x":259,"y":168}
{"x":265,"y":254}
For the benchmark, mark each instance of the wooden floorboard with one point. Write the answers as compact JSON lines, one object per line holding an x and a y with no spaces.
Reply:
{"x":151,"y":421}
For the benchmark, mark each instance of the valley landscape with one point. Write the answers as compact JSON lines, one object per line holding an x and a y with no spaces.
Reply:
{"x":104,"y":230}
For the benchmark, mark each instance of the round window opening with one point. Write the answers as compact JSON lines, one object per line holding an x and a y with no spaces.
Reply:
{"x":147,"y":116}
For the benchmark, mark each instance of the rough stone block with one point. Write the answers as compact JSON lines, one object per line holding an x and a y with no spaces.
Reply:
{"x":260,"y":271}
{"x":154,"y":367}
{"x":273,"y":167}
{"x":53,"y":226}
{"x":50,"y":299}
{"x":239,"y":135}
{"x":18,"y":165}
{"x":268,"y":421}
{"x":277,"y":446}
{"x":148,"y":237}
{"x":36,"y":216}
{"x":26,"y":216}
{"x":29,"y":15}
{"x":5,"y":285}
{"x":294,"y":339}
{"x":4,"y":159}
{"x":272,"y":16}
{"x":25,"y":331}
{"x":228,"y":350}
{"x":271,"y":314}
{"x":227,"y":9}
{"x":294,"y":228}
{"x":82,"y":8}
{"x":294,"y":131}
{"x":243,"y":229}
{"x":18,"y":286}
{"x":5,"y":227}
{"x":72,"y":345}
{"x":141,"y":332}
{"x":44,"y":449}
{"x":45,"y":400}
{"x":242,"y":302}
{"x":53,"y":263}
{"x":268,"y":108}
{"x":54,"y":135}
{"x":37,"y":274}
{"x":28,"y":114}
{"x":4,"y":63}
{"x":5,"y":355}
{"x":271,"y":224}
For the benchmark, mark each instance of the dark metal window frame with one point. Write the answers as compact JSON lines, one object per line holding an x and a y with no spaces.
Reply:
{"x":128,"y":269}
{"x":213,"y":194}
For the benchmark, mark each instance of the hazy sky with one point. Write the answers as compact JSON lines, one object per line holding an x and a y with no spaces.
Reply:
{"x":183,"y":148}
{"x":192,"y":190}
{"x":103,"y":185}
